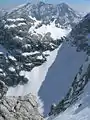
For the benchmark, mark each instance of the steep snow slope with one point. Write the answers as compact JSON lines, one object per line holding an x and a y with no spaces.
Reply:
{"x":81,"y":109}
{"x":78,"y":91}
{"x":61,"y":75}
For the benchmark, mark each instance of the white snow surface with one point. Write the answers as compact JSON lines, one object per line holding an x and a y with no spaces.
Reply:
{"x":1,"y":70}
{"x":21,"y":24}
{"x":17,"y":37}
{"x":10,"y":26}
{"x":33,"y":18}
{"x":31,"y":53}
{"x":56,"y":33}
{"x":17,"y":19}
{"x":11,"y":69}
{"x":40,"y":57}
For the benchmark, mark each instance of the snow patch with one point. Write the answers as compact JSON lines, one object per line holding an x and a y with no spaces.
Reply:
{"x":11,"y":69}
{"x":12,"y":58}
{"x":56,"y":33}
{"x":1,"y":70}
{"x":40,"y":57}
{"x":21,"y":24}
{"x":31,"y":53}
{"x":33,"y":18}
{"x":17,"y":37}
{"x":10,"y":26}
{"x":14,"y":20}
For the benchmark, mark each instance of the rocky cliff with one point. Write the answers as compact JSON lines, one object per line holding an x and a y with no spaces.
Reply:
{"x":18,"y":108}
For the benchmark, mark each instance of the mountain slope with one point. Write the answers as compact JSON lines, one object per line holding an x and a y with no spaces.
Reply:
{"x":60,"y":75}
{"x":79,"y":90}
{"x":23,"y":44}
{"x":79,"y":110}
{"x":30,"y":38}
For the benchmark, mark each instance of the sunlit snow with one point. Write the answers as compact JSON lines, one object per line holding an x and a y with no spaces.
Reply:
{"x":56,"y":33}
{"x":14,"y":20}
{"x":10,"y":26}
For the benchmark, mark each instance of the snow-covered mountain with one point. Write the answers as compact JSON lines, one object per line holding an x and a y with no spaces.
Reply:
{"x":62,"y":14}
{"x":75,"y":105}
{"x":30,"y":38}
{"x":25,"y":41}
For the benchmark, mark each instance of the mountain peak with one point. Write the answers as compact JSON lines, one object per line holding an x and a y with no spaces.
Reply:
{"x":87,"y":16}
{"x":63,"y":5}
{"x":41,"y":2}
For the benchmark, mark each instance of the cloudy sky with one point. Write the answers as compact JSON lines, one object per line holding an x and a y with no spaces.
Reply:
{"x":80,"y":5}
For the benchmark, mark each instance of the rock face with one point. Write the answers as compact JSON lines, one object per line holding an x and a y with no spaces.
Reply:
{"x":18,"y":108}
{"x":3,"y":89}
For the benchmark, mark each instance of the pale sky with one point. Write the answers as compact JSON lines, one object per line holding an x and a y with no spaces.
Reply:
{"x":79,"y":5}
